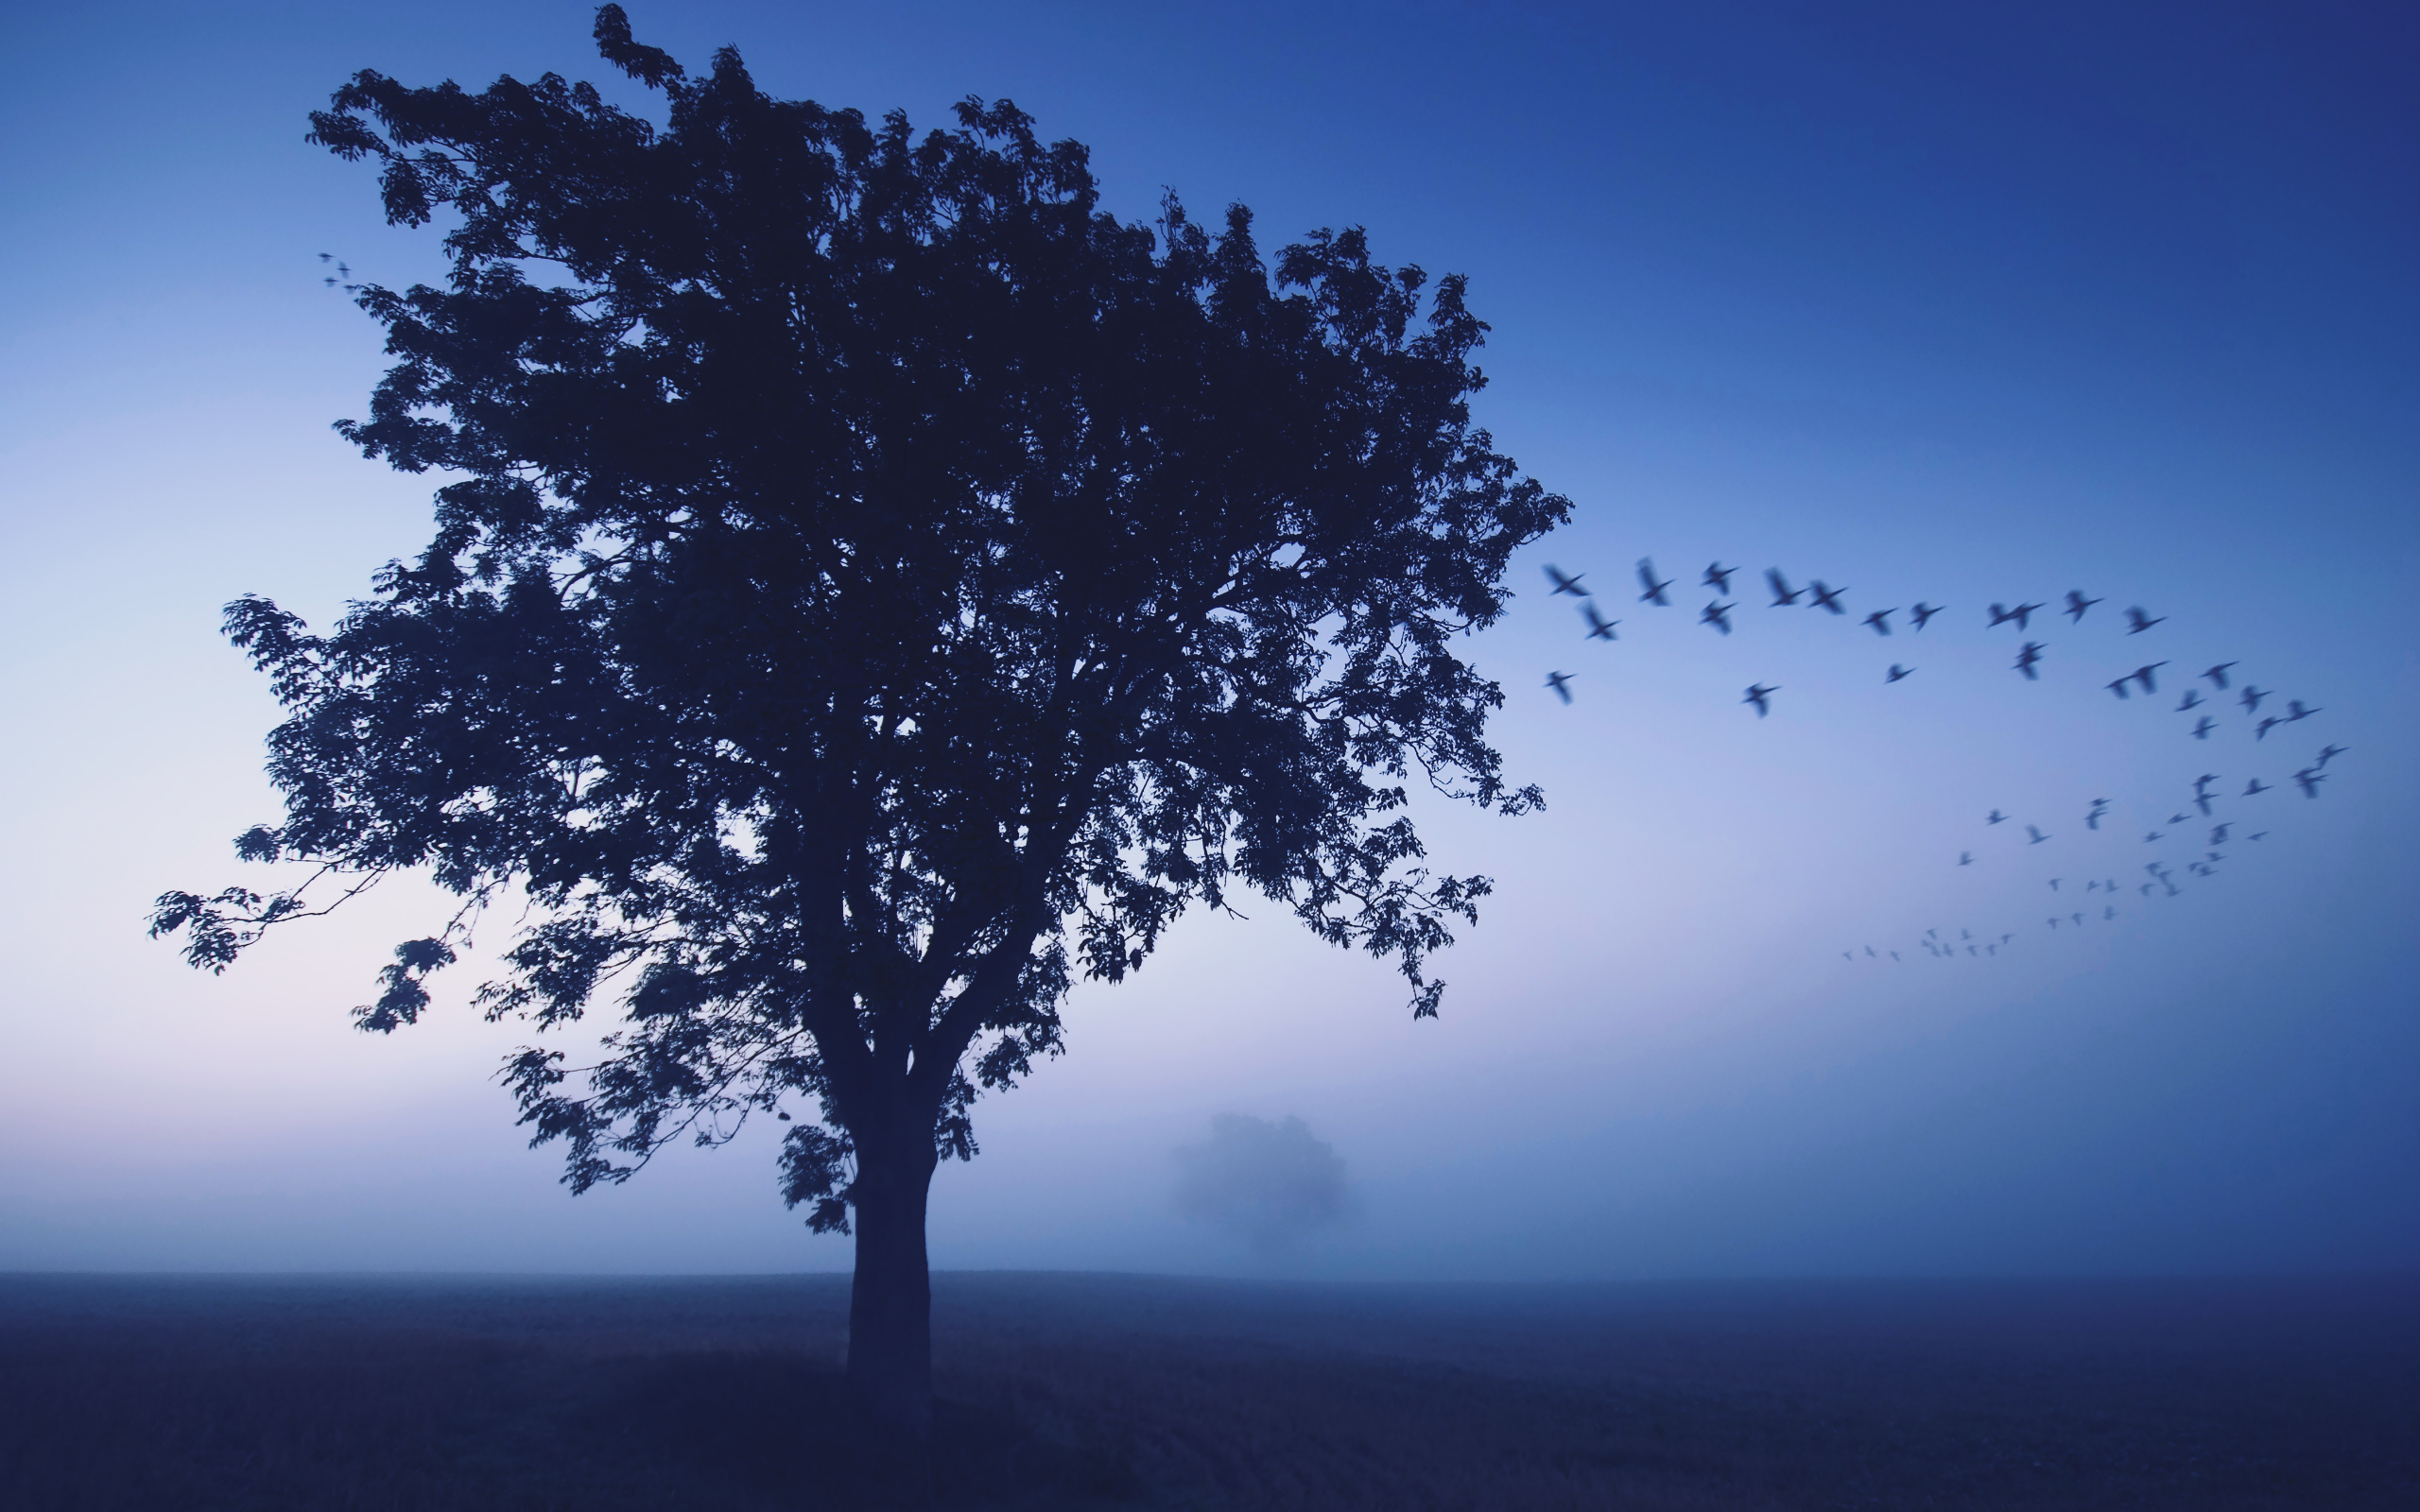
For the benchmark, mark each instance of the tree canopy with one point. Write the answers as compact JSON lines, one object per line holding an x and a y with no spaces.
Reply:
{"x":873,"y":585}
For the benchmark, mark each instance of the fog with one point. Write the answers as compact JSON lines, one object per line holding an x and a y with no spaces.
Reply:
{"x":1943,"y":309}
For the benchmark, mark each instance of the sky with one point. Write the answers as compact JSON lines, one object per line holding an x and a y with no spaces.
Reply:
{"x":1931,"y":303}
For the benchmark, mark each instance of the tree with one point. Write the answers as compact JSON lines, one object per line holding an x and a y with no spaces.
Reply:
{"x":873,"y":585}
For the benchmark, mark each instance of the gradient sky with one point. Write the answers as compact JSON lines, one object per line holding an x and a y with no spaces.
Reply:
{"x":1926,"y":302}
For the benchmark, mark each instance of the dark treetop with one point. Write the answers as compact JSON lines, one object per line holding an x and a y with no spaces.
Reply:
{"x":873,"y":584}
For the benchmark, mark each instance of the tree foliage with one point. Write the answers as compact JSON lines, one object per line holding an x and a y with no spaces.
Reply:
{"x":872,"y":585}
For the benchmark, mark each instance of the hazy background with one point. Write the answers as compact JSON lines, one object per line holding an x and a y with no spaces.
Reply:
{"x":1925,"y":302}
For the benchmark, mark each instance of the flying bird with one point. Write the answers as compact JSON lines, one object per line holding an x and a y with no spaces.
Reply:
{"x":1880,"y":620}
{"x":1599,"y":628}
{"x":2143,"y":676}
{"x":1560,"y":683}
{"x":2034,"y":836}
{"x":1784,"y":595}
{"x":2137,"y":622}
{"x":2180,"y":819}
{"x":2201,"y":801}
{"x":2202,"y":730}
{"x":2328,"y":755}
{"x":1757,"y":694}
{"x":1896,"y":672}
{"x":1827,"y":597}
{"x":2253,"y":789}
{"x":2001,"y":614}
{"x":2118,"y":687}
{"x":1567,"y":584}
{"x":1654,"y":594}
{"x":2309,"y":778}
{"x":2260,"y":732}
{"x":2026,"y":658}
{"x":1717,"y":578}
{"x":2150,"y":837}
{"x":2294,"y":710}
{"x":2219,"y":834}
{"x":2192,"y":700}
{"x":2054,"y":884}
{"x":1923,"y":614}
{"x":2219,"y":675}
{"x":2077,"y":604}
{"x":1718,"y":615}
{"x":2250,"y":699}
{"x":2203,"y":782}
{"x":1995,"y":816}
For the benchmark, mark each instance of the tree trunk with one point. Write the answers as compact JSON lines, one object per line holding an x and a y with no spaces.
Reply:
{"x":890,"y":1307}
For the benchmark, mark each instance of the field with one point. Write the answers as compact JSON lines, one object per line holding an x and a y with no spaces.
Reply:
{"x":1080,"y":1390}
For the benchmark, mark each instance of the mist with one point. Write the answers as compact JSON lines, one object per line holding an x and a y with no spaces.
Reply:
{"x":1938,"y":308}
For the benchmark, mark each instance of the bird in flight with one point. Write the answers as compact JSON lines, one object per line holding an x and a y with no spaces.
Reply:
{"x":1995,"y":816}
{"x":2330,"y":753}
{"x":2118,"y":687}
{"x":1757,"y":694}
{"x":1654,"y":594}
{"x":2294,"y":710}
{"x":2219,"y":675}
{"x":2192,"y":700}
{"x":1827,"y":597}
{"x":2201,"y":801}
{"x":2253,"y":789}
{"x":2202,"y":730}
{"x":1965,"y":858}
{"x":2309,"y":778}
{"x":1784,"y":595}
{"x":1717,"y":578}
{"x":2250,"y":699}
{"x":2269,"y":722}
{"x":2034,"y":836}
{"x":2201,"y":783}
{"x":1880,"y":620}
{"x":2179,"y":818}
{"x":2026,"y":658}
{"x":2143,"y":676}
{"x":1599,"y":628}
{"x":2257,"y":834}
{"x":2077,"y":604}
{"x":1567,"y":584}
{"x":2054,"y":884}
{"x":2219,"y":834}
{"x":1896,"y":672}
{"x":1560,"y":683}
{"x":2150,"y":837}
{"x":1923,"y":614}
{"x":1718,"y":615}
{"x":2001,"y":614}
{"x":2137,"y":622}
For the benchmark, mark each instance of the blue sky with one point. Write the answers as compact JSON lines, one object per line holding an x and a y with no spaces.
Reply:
{"x":1931,"y":304}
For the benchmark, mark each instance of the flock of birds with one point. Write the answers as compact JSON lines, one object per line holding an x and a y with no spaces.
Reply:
{"x":2143,"y":681}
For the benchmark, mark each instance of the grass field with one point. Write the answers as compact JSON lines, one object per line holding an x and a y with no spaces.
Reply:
{"x":1076,"y":1390}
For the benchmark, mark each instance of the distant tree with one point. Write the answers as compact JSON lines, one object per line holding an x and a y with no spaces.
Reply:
{"x":873,"y":585}
{"x":1267,"y":1183}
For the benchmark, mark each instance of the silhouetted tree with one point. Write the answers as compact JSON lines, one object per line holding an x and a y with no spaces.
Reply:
{"x":874,"y":585}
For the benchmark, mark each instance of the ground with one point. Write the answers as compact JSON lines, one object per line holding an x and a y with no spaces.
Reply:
{"x":1068,"y":1391}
